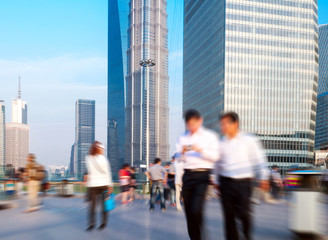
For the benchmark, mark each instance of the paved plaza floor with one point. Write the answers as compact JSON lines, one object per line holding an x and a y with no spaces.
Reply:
{"x":66,"y":218}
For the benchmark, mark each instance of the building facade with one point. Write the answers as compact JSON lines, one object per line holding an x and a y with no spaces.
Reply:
{"x":258,"y":58}
{"x":84,"y":133}
{"x":71,"y":161}
{"x":17,"y":144}
{"x":17,"y":133}
{"x":19,"y":108}
{"x":321,"y":135}
{"x":147,"y":109}
{"x":2,"y":136}
{"x":118,"y":11}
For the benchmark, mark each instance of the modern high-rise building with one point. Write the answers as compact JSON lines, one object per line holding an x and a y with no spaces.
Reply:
{"x":258,"y":58}
{"x":118,"y":11}
{"x":17,"y":144}
{"x":17,"y":133}
{"x":2,"y":135}
{"x":71,"y":161}
{"x":84,"y":133}
{"x":321,"y":134}
{"x":147,"y":79}
{"x":19,"y":108}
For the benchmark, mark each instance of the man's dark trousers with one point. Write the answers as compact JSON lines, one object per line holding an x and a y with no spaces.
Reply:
{"x":235,"y":197}
{"x":194,"y":188}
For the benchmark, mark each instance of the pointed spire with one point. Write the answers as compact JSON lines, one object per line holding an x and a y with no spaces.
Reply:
{"x":19,"y":88}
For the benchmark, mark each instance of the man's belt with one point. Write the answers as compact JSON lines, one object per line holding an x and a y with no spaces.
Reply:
{"x":235,"y":179}
{"x":198,"y":170}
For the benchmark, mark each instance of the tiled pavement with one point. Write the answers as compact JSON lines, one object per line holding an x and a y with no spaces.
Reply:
{"x":65,"y":218}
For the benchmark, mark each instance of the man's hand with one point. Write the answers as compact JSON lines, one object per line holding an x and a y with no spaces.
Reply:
{"x":184,"y":150}
{"x":196,"y":149}
{"x":264,"y":184}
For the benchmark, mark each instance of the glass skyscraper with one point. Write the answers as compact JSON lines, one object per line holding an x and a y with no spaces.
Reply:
{"x":84,"y":133}
{"x":118,"y":11}
{"x":258,"y":58}
{"x":321,"y":134}
{"x":147,"y":109}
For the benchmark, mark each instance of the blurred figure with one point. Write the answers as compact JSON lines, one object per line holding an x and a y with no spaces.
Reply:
{"x":133,"y":184}
{"x":44,"y":183}
{"x":171,"y":182}
{"x":242,"y":158}
{"x":125,"y":177}
{"x":99,"y":180}
{"x":198,"y":149}
{"x":325,"y":179}
{"x":158,"y":176}
{"x":276,"y":182}
{"x":34,"y":175}
{"x":178,"y":168}
{"x":19,"y":175}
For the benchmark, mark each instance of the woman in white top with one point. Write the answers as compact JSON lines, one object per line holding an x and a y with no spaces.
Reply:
{"x":99,"y":180}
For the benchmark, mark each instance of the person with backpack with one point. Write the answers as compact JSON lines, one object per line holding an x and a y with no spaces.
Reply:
{"x":34,"y":175}
{"x":99,"y":181}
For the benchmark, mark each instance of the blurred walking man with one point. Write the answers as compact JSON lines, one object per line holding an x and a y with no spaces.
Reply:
{"x":241,"y":159}
{"x":34,"y":174}
{"x":158,"y":175}
{"x":198,"y":149}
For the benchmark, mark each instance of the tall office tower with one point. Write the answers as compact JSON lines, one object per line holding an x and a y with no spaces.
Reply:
{"x":17,"y":133}
{"x":19,"y":108}
{"x":84,"y":133}
{"x":260,"y":59}
{"x":321,"y":133}
{"x":147,"y":109}
{"x":71,"y":161}
{"x":118,"y":11}
{"x":2,"y":136}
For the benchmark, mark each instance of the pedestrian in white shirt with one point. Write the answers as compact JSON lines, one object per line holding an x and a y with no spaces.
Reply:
{"x":198,"y":149}
{"x":241,"y":159}
{"x":99,"y":180}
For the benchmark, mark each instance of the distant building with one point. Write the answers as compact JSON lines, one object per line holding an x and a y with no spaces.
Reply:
{"x":258,"y":58}
{"x":56,"y":172}
{"x":118,"y":11}
{"x":2,"y":136}
{"x":321,"y":157}
{"x":71,"y":162}
{"x":19,"y":108}
{"x":321,"y":134}
{"x":17,"y":133}
{"x":84,"y":133}
{"x":17,"y":144}
{"x":147,"y":112}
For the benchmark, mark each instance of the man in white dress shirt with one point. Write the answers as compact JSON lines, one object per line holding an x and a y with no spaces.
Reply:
{"x":198,"y":149}
{"x":241,"y":159}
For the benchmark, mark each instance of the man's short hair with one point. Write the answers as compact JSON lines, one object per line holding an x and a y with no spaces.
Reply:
{"x":192,"y":114}
{"x":231,"y":115}
{"x":157,"y":160}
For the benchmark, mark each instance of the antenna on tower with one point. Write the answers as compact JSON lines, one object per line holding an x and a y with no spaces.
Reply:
{"x":19,"y":88}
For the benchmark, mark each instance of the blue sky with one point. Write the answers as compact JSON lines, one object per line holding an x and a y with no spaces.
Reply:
{"x":59,"y":48}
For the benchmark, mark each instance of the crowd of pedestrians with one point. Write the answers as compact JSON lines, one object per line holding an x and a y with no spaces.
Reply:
{"x":232,"y":168}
